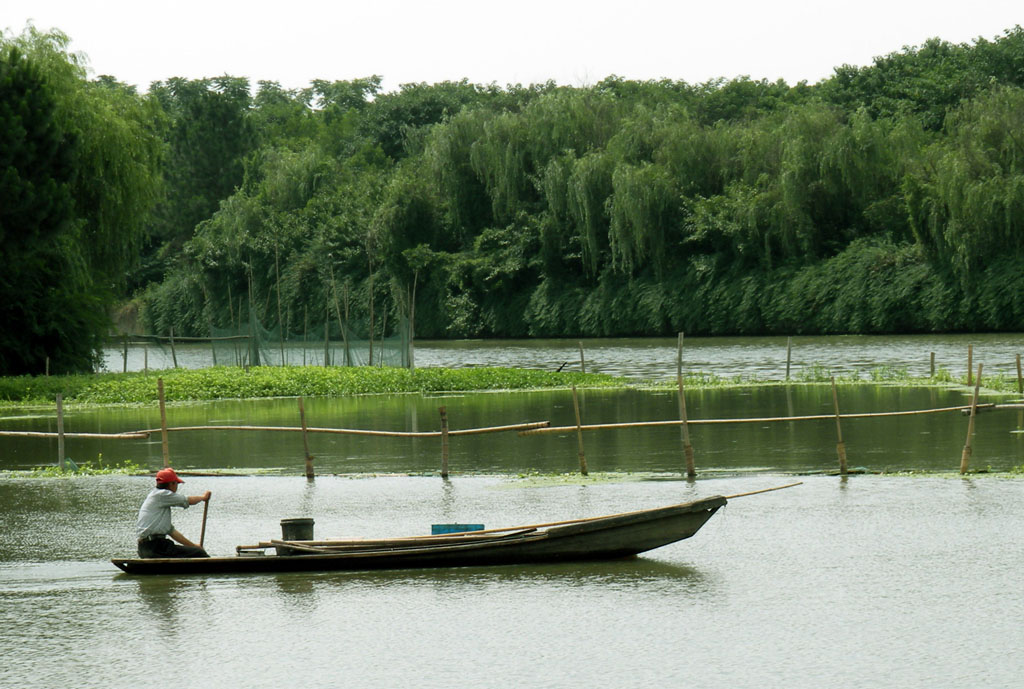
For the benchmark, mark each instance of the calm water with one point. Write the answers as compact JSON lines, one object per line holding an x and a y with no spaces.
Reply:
{"x":655,"y":358}
{"x":868,"y":582}
{"x":931,"y":442}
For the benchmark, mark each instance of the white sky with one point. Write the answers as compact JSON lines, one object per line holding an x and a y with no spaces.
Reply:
{"x":574,"y":42}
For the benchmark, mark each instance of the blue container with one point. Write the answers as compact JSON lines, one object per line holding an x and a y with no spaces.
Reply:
{"x":454,"y":528}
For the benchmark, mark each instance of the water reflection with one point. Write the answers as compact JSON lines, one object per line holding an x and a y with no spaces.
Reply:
{"x":929,"y":442}
{"x":626,"y":573}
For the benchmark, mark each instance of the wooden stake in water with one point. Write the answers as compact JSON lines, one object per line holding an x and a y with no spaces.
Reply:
{"x":965,"y":458}
{"x":305,"y":442}
{"x":1020,"y":379}
{"x":970,"y":363}
{"x":840,"y":447}
{"x":679,"y":356}
{"x":163,"y":422}
{"x":583,"y":362}
{"x":60,"y":431}
{"x":932,"y":367}
{"x":789,"y":354}
{"x":327,"y":341}
{"x":444,"y":442}
{"x":579,"y":431}
{"x":125,"y":367}
{"x":691,"y":471}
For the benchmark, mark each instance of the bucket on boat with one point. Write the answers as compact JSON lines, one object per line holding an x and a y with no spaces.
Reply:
{"x":300,"y":529}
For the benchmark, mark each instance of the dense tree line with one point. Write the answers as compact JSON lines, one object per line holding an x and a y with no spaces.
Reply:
{"x":887,"y":198}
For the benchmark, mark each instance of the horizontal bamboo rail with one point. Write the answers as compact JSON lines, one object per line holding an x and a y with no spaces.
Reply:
{"x":531,"y":428}
{"x":355,"y":431}
{"x":767,"y":419}
{"x":45,"y":434}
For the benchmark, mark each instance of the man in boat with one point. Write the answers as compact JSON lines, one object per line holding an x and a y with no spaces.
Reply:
{"x":154,"y":523}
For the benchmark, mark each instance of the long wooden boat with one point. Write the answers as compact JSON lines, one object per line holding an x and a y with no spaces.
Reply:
{"x":596,"y":538}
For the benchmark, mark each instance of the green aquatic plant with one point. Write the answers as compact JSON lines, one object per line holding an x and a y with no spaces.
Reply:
{"x":87,"y":468}
{"x":222,"y":382}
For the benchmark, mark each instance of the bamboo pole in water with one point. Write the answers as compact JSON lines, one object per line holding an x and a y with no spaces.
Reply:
{"x":932,"y":365}
{"x":679,"y":355}
{"x":965,"y":458}
{"x":305,"y":441}
{"x":970,"y":364}
{"x":60,"y":431}
{"x":579,"y":432}
{"x":691,"y":471}
{"x":583,"y":362}
{"x":444,"y":442}
{"x":163,"y":422}
{"x":840,"y":447}
{"x":174,"y":354}
{"x":789,"y":354}
{"x":1020,"y":379}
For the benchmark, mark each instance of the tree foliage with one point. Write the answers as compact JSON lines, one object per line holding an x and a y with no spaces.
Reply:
{"x":80,"y":162}
{"x":886,"y":197}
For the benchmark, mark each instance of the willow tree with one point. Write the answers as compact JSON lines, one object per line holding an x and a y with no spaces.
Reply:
{"x":86,"y":151}
{"x":644,"y":208}
{"x":967,"y":204}
{"x":117,"y":181}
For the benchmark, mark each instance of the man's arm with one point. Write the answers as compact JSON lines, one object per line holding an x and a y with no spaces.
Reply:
{"x":196,"y":499}
{"x":176,"y":535}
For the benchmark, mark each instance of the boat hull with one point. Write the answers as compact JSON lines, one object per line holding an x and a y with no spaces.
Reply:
{"x":600,"y":538}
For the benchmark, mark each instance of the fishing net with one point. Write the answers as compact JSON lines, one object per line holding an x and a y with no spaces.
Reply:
{"x":319,"y":344}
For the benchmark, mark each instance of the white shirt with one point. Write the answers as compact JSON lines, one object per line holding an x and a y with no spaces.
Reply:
{"x":155,"y":513}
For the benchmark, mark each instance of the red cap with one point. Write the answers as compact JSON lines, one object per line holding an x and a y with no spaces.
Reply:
{"x":167,"y":476}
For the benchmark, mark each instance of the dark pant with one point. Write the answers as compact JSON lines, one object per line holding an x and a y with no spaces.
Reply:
{"x":165,"y":547}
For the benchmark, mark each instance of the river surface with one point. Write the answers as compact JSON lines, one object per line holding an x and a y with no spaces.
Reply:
{"x":871,"y":581}
{"x":932,"y":442}
{"x":655,"y":358}
{"x":866,"y":581}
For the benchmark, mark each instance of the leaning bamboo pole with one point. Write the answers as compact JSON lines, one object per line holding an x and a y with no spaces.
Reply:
{"x":163,"y":422}
{"x":965,"y":458}
{"x":691,"y":471}
{"x":579,"y":429}
{"x":60,"y":431}
{"x":305,"y":441}
{"x":840,"y":446}
{"x":444,"y":441}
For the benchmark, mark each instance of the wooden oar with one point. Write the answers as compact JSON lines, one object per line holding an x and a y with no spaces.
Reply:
{"x":202,"y":533}
{"x":763,"y":490}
